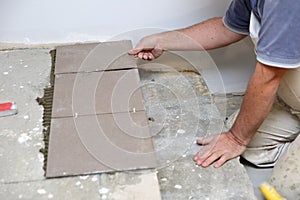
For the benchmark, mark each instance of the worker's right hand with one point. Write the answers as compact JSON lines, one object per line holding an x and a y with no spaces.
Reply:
{"x":148,"y":48}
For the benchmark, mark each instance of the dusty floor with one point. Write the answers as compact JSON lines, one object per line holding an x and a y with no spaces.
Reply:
{"x":174,"y":119}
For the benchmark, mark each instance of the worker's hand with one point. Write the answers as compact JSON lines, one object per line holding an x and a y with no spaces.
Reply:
{"x":219,"y":148}
{"x":148,"y":48}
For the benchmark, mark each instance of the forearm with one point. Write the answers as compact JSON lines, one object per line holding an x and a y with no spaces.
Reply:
{"x":257,"y":103}
{"x":206,"y":35}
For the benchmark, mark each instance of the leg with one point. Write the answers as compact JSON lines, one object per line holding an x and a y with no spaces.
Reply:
{"x":286,"y":173}
{"x":276,"y":133}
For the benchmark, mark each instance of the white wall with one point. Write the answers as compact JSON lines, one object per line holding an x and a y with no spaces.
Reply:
{"x":41,"y":21}
{"x":61,"y":21}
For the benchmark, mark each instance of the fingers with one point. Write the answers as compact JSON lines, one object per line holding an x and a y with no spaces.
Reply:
{"x":157,"y":52}
{"x":206,"y":156}
{"x":212,"y":158}
{"x":206,"y":160}
{"x":217,"y":149}
{"x":204,"y":141}
{"x":145,"y":55}
{"x":134,"y":51}
{"x":203,"y":153}
{"x":221,"y":161}
{"x":148,"y":48}
{"x":142,"y":51}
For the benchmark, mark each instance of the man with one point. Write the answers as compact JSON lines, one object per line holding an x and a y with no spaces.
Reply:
{"x":262,"y":130}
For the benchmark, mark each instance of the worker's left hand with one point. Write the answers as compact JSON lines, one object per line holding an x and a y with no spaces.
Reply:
{"x":219,"y":148}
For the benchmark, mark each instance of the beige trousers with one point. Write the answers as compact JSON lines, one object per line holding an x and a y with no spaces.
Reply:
{"x":276,"y":144}
{"x":273,"y":137}
{"x":286,"y":173}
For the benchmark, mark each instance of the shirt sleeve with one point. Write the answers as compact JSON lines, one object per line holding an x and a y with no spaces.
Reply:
{"x":237,"y":17}
{"x":279,"y":36}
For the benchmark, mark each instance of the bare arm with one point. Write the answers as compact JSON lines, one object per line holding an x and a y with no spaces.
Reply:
{"x":206,"y":35}
{"x":211,"y":34}
{"x":256,"y":105}
{"x":258,"y":101}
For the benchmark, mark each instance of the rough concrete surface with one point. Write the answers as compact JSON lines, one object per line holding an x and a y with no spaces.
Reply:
{"x":174,"y":137}
{"x":24,"y":74}
{"x":179,"y":107}
{"x":83,"y":187}
{"x":184,"y":180}
{"x":131,"y":185}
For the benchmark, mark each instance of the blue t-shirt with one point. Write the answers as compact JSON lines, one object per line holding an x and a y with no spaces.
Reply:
{"x":279,"y":34}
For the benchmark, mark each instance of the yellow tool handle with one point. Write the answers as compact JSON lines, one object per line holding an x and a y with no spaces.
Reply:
{"x":269,"y":192}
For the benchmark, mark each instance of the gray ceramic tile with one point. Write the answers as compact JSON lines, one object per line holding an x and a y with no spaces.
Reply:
{"x":102,"y":143}
{"x":97,"y":93}
{"x":94,"y":57}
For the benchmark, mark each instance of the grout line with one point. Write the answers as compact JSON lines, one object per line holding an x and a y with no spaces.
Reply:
{"x":97,"y":114}
{"x":96,"y":71}
{"x":26,"y":181}
{"x":99,"y":185}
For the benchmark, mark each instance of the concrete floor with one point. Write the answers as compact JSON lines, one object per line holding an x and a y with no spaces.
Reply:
{"x":178,"y":113}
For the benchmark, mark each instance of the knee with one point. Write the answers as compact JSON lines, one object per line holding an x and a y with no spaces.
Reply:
{"x":286,"y":173}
